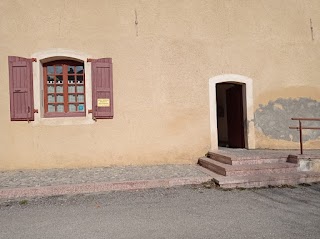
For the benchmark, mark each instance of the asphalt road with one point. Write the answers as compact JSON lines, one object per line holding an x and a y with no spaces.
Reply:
{"x":183,"y":212}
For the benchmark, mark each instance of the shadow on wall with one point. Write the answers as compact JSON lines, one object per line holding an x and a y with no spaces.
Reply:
{"x":274,"y":118}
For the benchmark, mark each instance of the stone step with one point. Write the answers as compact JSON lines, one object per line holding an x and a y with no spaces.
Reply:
{"x":246,"y":169}
{"x":240,"y":160}
{"x":264,"y":180}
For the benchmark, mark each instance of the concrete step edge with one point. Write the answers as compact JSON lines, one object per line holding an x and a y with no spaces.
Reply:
{"x":205,"y":162}
{"x":267,"y":177}
{"x":248,"y":167}
{"x":235,"y":157}
{"x":66,"y":189}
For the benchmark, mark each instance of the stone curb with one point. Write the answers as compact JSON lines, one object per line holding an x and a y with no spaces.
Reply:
{"x":98,"y":187}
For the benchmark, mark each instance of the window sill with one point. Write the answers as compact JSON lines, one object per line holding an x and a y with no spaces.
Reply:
{"x":57,"y":121}
{"x":59,"y":115}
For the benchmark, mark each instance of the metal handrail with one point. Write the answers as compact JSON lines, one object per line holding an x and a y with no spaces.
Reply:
{"x":300,"y":128}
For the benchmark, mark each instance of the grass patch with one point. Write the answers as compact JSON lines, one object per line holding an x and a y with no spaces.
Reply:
{"x":210,"y":184}
{"x":23,"y":202}
{"x":305,"y":184}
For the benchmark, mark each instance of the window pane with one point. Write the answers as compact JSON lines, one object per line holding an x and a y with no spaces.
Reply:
{"x":60,"y":98}
{"x":50,"y":89}
{"x":59,"y":89}
{"x":72,"y":108}
{"x":65,"y":84}
{"x":71,"y":98}
{"x":59,"y":79}
{"x":79,"y":79}
{"x":51,"y":98}
{"x":58,"y":69}
{"x":71,"y":89}
{"x":80,"y":98}
{"x":70,"y":69}
{"x":60,"y":108}
{"x":51,"y":108}
{"x":81,"y":107}
{"x":79,"y":69}
{"x":70,"y":79}
{"x":50,"y":70}
{"x":80,"y":89}
{"x":50,"y":80}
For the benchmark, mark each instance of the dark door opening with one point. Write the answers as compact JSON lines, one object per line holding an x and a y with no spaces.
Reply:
{"x":230,"y":115}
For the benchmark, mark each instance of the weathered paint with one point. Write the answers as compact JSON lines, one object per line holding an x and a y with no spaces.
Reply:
{"x":274,"y":119}
{"x":266,"y":142}
{"x":164,"y":53}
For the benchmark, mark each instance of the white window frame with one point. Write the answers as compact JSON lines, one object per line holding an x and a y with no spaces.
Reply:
{"x":59,"y":54}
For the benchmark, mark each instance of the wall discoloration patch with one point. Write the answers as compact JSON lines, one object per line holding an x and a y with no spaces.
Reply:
{"x":274,"y":119}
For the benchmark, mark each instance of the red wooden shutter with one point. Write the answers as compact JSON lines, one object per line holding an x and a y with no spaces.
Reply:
{"x":21,"y":89}
{"x":102,"y":88}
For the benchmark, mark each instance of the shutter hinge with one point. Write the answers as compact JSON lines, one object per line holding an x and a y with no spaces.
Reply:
{"x":34,"y":59}
{"x":89,"y":60}
{"x":36,"y":111}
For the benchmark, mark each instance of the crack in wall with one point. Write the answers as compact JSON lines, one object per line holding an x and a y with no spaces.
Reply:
{"x":136,"y":22}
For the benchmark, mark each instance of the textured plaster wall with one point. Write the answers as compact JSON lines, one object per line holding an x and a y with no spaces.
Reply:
{"x":274,"y":119}
{"x":164,"y":53}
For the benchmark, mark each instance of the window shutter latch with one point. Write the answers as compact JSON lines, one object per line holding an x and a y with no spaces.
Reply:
{"x":90,"y":112}
{"x":34,"y":110}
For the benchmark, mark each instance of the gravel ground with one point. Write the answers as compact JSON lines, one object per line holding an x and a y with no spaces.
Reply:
{"x":181,"y":212}
{"x":51,"y":177}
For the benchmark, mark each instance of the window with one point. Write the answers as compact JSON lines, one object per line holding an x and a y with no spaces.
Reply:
{"x":64,"y":89}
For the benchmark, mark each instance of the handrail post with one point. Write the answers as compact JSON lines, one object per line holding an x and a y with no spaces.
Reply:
{"x":300,"y":130}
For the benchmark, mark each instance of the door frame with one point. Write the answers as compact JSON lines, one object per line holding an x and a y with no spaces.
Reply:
{"x":249,"y":130}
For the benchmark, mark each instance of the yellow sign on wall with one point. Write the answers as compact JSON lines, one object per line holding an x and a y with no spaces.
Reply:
{"x":103,"y":102}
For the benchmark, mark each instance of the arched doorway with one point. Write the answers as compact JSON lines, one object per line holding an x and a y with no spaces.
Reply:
{"x":231,"y":112}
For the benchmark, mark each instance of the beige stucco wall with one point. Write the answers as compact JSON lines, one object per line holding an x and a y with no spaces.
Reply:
{"x":161,"y":66}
